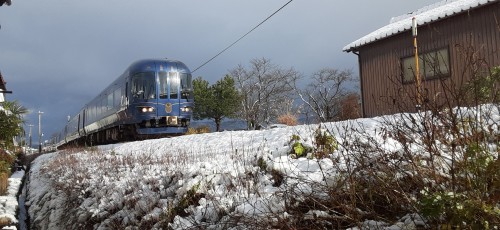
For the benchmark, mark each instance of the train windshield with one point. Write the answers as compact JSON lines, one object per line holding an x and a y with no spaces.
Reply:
{"x":169,"y":85}
{"x":143,"y":85}
{"x":170,"y":82}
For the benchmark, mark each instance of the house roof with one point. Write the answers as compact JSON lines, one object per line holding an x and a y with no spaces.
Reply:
{"x":2,"y":83}
{"x":426,"y":15}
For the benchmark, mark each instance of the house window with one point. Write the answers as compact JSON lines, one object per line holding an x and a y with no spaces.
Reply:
{"x":434,"y":64}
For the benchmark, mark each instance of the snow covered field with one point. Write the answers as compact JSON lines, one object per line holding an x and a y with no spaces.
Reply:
{"x":226,"y":180}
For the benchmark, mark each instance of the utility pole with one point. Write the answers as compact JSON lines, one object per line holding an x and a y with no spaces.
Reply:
{"x":418,"y":106}
{"x":30,"y":146}
{"x":40,"y":131}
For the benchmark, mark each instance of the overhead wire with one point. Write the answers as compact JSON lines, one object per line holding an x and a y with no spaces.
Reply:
{"x":239,"y":39}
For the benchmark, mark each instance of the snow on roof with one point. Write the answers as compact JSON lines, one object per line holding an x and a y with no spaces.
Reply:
{"x":425,"y":15}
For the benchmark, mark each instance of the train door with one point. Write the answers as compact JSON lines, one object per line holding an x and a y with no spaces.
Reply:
{"x":78,"y":126}
{"x":176,"y":97}
{"x":83,"y":133}
{"x":169,"y":93}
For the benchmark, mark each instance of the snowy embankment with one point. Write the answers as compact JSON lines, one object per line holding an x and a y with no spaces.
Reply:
{"x":8,"y":203}
{"x":232,"y":179}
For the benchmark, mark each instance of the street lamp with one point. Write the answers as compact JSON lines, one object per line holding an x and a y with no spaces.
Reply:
{"x":40,"y":131}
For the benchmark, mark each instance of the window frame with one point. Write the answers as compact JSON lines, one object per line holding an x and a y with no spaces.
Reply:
{"x":423,"y":63}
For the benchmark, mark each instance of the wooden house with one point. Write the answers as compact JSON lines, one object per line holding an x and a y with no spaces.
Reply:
{"x":3,"y":89}
{"x":456,"y":40}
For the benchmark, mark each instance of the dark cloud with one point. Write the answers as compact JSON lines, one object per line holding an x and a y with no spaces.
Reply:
{"x":57,"y":55}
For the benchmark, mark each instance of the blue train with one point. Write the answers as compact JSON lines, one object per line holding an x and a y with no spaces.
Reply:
{"x":153,"y":97}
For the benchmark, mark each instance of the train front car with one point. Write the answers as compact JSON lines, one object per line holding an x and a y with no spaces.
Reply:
{"x":161,"y":97}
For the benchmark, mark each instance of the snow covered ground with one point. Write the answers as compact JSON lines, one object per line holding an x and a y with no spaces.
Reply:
{"x":209,"y":181}
{"x":8,"y":203}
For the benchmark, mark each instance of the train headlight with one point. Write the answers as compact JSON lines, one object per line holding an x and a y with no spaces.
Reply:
{"x":186,"y":109}
{"x":147,"y":109}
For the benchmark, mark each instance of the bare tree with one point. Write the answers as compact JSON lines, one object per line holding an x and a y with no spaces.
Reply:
{"x":266,"y":90}
{"x":324,"y":94}
{"x":350,"y":107}
{"x":8,"y":2}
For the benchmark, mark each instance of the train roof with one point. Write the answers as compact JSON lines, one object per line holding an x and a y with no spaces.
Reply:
{"x":157,"y":65}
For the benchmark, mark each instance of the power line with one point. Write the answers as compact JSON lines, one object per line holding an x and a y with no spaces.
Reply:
{"x":232,"y":44}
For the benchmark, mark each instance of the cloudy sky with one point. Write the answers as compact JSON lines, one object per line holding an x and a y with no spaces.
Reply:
{"x":56,"y":55}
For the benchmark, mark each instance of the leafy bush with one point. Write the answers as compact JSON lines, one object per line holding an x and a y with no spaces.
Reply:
{"x":325,"y":143}
{"x":477,"y":192}
{"x":298,"y":149}
{"x":10,"y":122}
{"x":458,"y":210}
{"x":484,"y":89}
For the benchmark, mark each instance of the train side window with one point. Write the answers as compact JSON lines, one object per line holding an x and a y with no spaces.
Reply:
{"x":104,"y":106}
{"x":110,"y":101}
{"x":91,"y":113}
{"x":87,"y":114}
{"x":117,"y":96}
{"x":125,"y":99}
{"x":186,"y":86}
{"x":126,"y":89}
{"x":186,"y":81}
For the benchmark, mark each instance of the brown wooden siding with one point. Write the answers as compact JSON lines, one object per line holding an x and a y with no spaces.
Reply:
{"x":475,"y":31}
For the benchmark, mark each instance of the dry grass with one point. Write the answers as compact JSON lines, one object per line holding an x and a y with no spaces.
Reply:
{"x":4,"y":182}
{"x":288,"y":119}
{"x":198,"y":130}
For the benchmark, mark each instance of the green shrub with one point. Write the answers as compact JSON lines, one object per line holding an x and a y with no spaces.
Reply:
{"x":10,"y":122}
{"x":483,"y":89}
{"x":325,"y":143}
{"x":192,"y":197}
{"x":471,"y":199}
{"x":261,"y":163}
{"x":298,"y":149}
{"x":295,"y":137}
{"x":458,"y":210}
